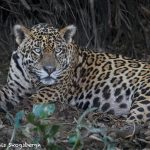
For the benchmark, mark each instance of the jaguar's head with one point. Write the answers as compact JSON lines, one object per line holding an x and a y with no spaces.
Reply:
{"x":46,"y":51}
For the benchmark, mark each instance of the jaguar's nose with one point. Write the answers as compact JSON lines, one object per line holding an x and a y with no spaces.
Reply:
{"x":49,"y":69}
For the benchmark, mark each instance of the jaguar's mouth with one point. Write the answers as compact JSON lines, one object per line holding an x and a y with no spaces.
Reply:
{"x":47,"y":78}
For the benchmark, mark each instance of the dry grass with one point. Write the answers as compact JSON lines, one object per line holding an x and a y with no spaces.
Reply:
{"x":119,"y":26}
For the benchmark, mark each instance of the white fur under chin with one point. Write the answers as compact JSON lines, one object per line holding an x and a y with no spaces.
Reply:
{"x":48,"y":81}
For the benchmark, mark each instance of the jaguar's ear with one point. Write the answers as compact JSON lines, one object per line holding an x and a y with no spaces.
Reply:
{"x":20,"y":33}
{"x":68,"y":32}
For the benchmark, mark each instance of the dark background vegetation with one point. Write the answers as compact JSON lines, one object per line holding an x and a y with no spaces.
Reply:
{"x":119,"y":26}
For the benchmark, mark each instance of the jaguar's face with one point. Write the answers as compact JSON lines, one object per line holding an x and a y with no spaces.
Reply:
{"x":46,"y":51}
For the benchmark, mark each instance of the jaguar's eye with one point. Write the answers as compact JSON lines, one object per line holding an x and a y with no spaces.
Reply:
{"x":37,"y":50}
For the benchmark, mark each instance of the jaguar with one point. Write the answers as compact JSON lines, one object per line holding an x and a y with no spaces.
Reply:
{"x":78,"y":76}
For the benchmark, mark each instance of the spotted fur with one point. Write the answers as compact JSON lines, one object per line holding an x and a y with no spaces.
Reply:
{"x":84,"y":78}
{"x":18,"y":83}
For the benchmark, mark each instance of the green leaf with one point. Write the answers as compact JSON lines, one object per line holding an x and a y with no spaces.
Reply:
{"x":31,"y":118}
{"x":53,"y":130}
{"x":18,"y":117}
{"x":42,"y":127}
{"x":43,"y":110}
{"x":73,"y":139}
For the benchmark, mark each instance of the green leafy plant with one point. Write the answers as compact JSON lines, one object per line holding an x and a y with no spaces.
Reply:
{"x":77,"y":141}
{"x":39,"y":129}
{"x":45,"y":132}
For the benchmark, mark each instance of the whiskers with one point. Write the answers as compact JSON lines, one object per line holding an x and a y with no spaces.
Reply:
{"x":45,"y":78}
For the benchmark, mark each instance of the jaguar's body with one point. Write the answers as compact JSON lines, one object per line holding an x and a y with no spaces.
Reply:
{"x":83,"y":78}
{"x":18,"y":84}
